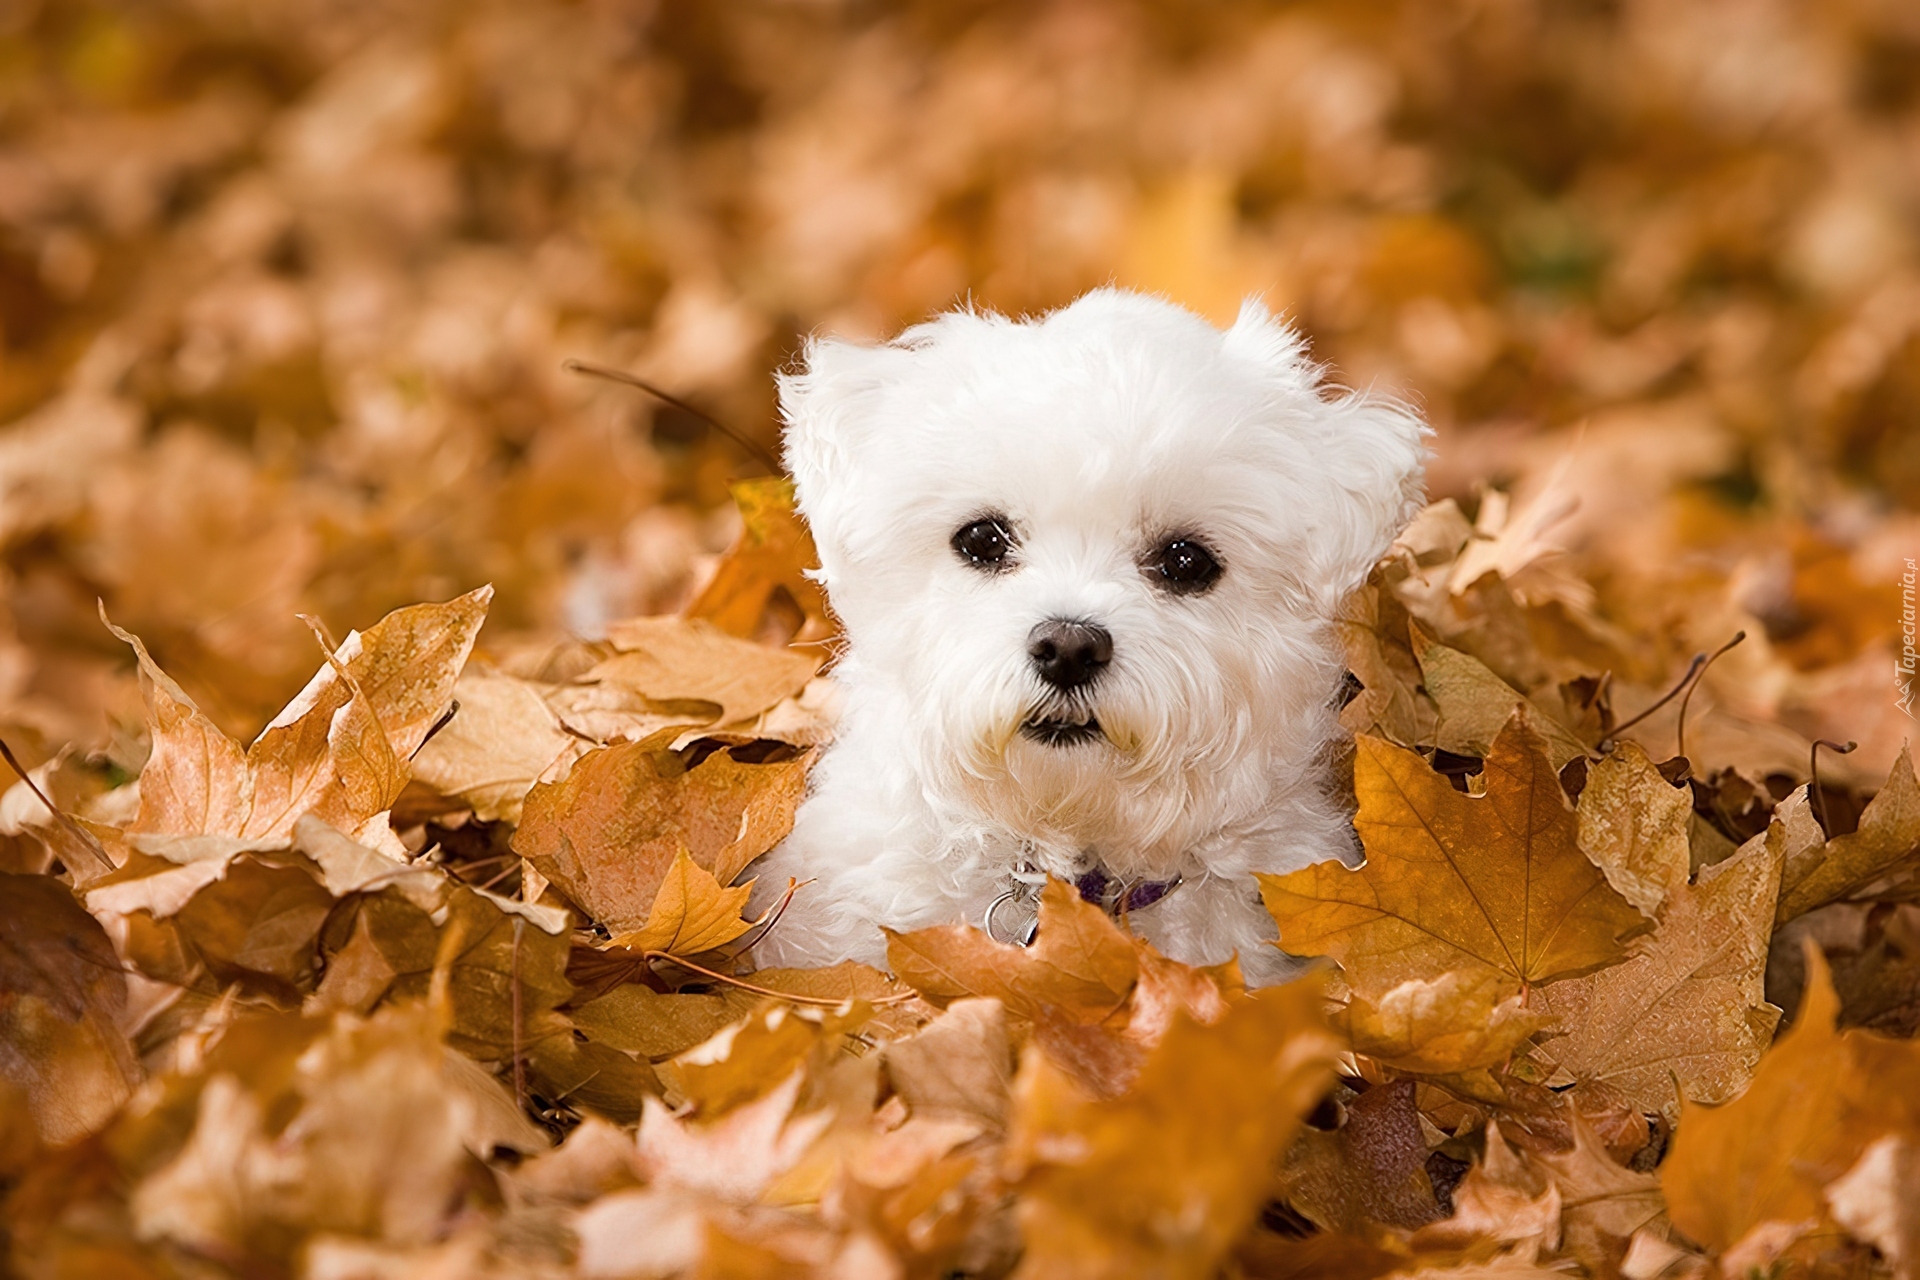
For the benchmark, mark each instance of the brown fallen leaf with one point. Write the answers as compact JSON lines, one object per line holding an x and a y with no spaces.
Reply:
{"x":1492,"y":883}
{"x":503,"y":739}
{"x":737,"y":1157}
{"x":1502,"y":1200}
{"x":1603,"y":1204}
{"x":1369,"y":1171}
{"x":376,"y":1139}
{"x":1888,"y":835}
{"x":1460,"y":1021}
{"x":1474,"y":705}
{"x":1081,"y":968}
{"x":1392,"y":702}
{"x":1819,"y":1098}
{"x":656,"y":1025}
{"x":1163,"y":1180}
{"x":1634,"y":825}
{"x":495,"y":958}
{"x":675,"y":662}
{"x":1687,"y":1016}
{"x":959,"y":1066}
{"x":608,"y":833}
{"x":1873,"y":950}
{"x":62,"y":996}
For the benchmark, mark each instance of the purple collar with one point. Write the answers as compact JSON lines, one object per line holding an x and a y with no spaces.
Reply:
{"x":1118,"y":897}
{"x":1014,"y":916}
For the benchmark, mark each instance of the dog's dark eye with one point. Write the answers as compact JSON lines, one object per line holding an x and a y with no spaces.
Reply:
{"x":1184,"y":567}
{"x":984,"y":544}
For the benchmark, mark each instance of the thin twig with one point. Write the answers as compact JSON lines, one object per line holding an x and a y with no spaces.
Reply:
{"x":1813,"y":772}
{"x":1680,"y":730}
{"x":1612,"y":740}
{"x":499,"y":875}
{"x":72,"y":828}
{"x":519,"y":1062}
{"x":819,"y":1001}
{"x":446,"y":718}
{"x":621,"y":376}
{"x":765,"y":923}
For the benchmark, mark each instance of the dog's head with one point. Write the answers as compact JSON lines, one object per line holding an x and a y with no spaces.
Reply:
{"x":1090,"y":557}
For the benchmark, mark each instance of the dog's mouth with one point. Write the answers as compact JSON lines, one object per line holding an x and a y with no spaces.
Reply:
{"x":1063,"y":727}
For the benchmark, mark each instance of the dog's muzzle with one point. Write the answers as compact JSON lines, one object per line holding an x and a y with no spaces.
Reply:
{"x":1062,"y":724}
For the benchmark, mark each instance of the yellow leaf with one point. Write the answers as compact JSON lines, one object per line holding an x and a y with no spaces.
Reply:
{"x":1818,"y":1100}
{"x":1162,"y":1180}
{"x":338,"y":750}
{"x":1461,"y":1020}
{"x":1493,"y":882}
{"x":773,"y":553}
{"x":691,"y":913}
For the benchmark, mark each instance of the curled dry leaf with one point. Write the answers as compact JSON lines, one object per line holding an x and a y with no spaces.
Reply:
{"x":1634,"y":825}
{"x":1080,"y":968}
{"x":1462,"y":1020}
{"x":1888,"y":838}
{"x":959,"y":1066}
{"x":773,"y":554}
{"x":338,"y":750}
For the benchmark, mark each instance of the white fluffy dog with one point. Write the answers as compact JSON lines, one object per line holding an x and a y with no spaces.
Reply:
{"x":1087,"y":567}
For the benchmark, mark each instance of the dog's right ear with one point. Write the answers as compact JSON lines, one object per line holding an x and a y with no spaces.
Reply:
{"x":831,"y":406}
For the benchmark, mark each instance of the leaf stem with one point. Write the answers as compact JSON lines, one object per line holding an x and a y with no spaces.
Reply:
{"x":752,"y":446}
{"x":823,"y":1002}
{"x":1813,"y":774}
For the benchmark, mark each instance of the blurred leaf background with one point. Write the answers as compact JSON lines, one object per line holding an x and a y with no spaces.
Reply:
{"x":285,"y":290}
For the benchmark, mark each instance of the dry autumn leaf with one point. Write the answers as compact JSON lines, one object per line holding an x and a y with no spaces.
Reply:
{"x":1687,"y":1016}
{"x":62,"y":996}
{"x":608,"y":833}
{"x":1818,"y":1100}
{"x":1888,"y":835}
{"x":338,"y":750}
{"x":692,"y":912}
{"x":1633,"y":823}
{"x":772,"y":555}
{"x":1164,"y":1178}
{"x":1493,"y":882}
{"x":1081,"y":968}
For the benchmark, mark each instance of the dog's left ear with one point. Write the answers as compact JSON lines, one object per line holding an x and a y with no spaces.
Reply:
{"x":1370,"y":450}
{"x":830,"y":407}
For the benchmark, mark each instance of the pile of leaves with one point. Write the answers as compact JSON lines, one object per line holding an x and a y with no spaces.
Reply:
{"x":447,"y":973}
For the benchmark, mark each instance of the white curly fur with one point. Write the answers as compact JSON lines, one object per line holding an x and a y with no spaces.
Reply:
{"x":1098,"y":431}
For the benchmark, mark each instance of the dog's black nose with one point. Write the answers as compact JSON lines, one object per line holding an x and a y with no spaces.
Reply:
{"x":1068,"y":654}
